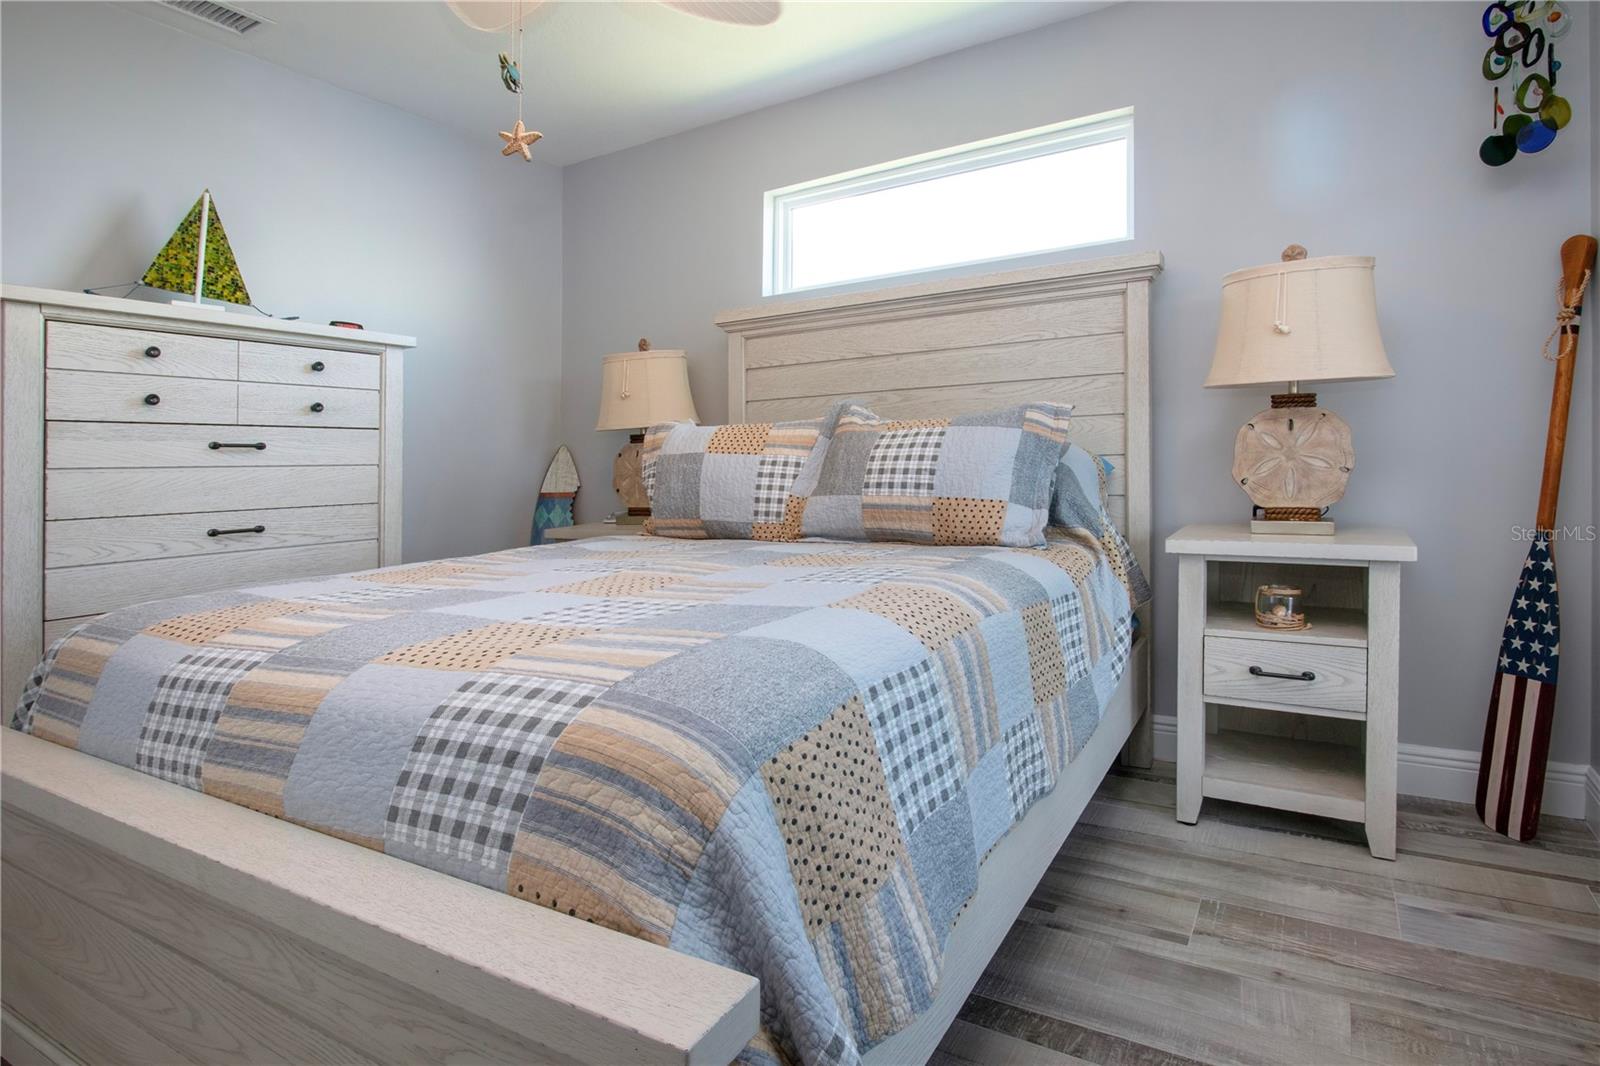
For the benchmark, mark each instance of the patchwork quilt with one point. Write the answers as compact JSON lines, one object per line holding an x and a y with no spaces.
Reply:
{"x":786,"y":758}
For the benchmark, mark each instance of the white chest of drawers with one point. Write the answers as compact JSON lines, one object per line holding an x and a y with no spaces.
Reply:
{"x":151,"y":450}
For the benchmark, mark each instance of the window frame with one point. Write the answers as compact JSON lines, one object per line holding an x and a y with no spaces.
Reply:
{"x":780,"y":204}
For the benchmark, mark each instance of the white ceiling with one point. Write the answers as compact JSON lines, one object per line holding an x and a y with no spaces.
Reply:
{"x":601,"y":76}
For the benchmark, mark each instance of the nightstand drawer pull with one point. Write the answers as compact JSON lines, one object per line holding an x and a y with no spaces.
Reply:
{"x":242,"y":529}
{"x":217,"y":445}
{"x":1304,"y":675}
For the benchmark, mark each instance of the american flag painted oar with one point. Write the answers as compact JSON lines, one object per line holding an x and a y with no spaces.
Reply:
{"x":1516,"y":738}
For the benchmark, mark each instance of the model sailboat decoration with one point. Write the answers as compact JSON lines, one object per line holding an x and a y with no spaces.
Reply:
{"x":197,"y":259}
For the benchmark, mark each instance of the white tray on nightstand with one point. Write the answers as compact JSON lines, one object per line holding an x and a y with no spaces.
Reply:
{"x":585,"y":530}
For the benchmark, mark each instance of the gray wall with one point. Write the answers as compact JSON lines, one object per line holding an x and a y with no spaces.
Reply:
{"x":336,"y":207}
{"x":1350,"y":128}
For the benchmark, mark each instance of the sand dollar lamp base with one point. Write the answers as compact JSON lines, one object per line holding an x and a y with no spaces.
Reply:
{"x":627,"y":477}
{"x":1293,"y":460}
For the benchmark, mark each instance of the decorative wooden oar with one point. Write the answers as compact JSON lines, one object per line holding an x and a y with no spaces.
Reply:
{"x":1516,"y":738}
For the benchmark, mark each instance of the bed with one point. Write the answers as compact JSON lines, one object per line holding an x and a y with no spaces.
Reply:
{"x":690,"y":703}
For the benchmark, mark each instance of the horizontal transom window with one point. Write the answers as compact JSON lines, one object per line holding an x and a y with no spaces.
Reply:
{"x":1062,"y":186}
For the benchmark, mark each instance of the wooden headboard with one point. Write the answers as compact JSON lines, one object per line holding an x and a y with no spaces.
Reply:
{"x":1076,"y":333}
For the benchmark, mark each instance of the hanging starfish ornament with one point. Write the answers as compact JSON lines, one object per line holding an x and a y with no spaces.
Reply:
{"x":517,"y":139}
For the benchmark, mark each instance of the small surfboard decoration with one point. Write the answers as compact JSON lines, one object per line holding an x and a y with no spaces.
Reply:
{"x":554,"y":506}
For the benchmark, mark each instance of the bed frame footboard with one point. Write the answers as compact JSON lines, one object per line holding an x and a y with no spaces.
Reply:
{"x":147,"y":923}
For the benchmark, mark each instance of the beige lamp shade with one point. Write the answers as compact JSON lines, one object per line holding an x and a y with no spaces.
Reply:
{"x":639,"y":389}
{"x":1305,"y":320}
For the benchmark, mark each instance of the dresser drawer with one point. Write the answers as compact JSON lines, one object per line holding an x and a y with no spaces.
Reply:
{"x":78,"y":395}
{"x":114,"y":493}
{"x":92,"y":541}
{"x":1338,"y":673}
{"x":111,"y":444}
{"x":111,"y":349}
{"x":305,"y":405}
{"x":81,"y":590}
{"x":290,"y":364}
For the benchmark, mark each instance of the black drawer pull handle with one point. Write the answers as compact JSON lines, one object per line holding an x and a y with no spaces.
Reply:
{"x":316,"y":408}
{"x":1304,"y":675}
{"x":151,"y":399}
{"x":318,"y":367}
{"x":245,"y":529}
{"x":153,"y":352}
{"x":259,"y":445}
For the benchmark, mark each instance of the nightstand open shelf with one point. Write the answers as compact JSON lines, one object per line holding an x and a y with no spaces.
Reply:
{"x":1308,"y":776}
{"x":1331,"y":625}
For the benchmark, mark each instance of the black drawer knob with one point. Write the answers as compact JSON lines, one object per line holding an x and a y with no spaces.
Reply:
{"x":317,"y":408}
{"x":152,"y":399}
{"x":318,"y":367}
{"x":153,"y":352}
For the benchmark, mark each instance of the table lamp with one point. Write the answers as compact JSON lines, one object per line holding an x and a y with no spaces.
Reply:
{"x":637,"y":390}
{"x":1296,"y":321}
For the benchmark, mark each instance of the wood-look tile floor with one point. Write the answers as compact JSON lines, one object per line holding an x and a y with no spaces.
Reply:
{"x":1262,"y":937}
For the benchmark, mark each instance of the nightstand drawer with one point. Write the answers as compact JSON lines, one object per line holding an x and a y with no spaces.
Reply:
{"x":1292,"y":673}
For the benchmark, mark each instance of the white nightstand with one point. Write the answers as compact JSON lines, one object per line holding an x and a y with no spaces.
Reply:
{"x":1321,"y":704}
{"x":584,"y":530}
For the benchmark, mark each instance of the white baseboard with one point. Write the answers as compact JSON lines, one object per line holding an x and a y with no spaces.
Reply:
{"x":1571,"y":790}
{"x":1591,"y":797}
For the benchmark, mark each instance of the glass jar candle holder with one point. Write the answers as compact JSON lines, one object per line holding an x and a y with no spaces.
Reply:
{"x":1280,"y":607}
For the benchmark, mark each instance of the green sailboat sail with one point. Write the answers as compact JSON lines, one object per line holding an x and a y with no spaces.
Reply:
{"x":175,"y":266}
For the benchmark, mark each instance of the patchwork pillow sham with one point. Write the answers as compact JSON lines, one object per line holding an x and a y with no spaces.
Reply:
{"x":1079,"y":501}
{"x":734,"y":482}
{"x":1081,"y":491}
{"x":975,"y":479}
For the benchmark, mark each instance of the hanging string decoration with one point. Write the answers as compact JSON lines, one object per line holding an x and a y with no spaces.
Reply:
{"x":518,"y":138}
{"x":510,"y":75}
{"x":1522,"y":62}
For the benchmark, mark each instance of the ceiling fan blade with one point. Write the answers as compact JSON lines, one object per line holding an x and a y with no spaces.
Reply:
{"x":734,"y":12}
{"x":490,"y":16}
